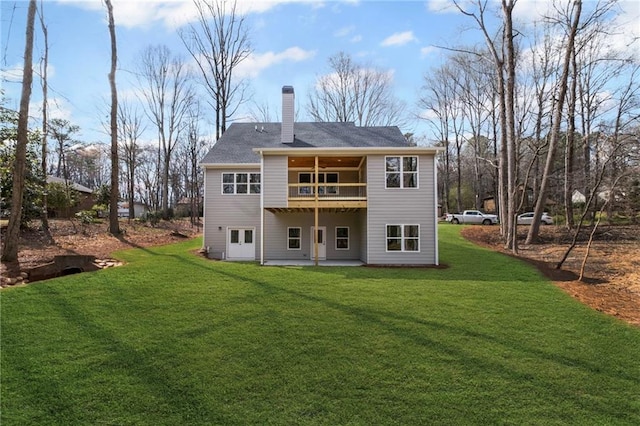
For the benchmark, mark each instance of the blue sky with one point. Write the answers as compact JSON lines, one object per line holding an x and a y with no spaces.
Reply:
{"x":292,"y":41}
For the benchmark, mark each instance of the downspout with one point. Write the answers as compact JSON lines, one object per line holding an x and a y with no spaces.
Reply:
{"x":435,"y":206}
{"x":262,"y":186}
{"x":316,"y":231}
{"x":204,"y":213}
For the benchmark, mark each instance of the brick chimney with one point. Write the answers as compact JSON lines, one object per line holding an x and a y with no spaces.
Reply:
{"x":288,"y":98}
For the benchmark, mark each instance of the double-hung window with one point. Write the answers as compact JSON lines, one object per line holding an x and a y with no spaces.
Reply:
{"x":403,"y":237}
{"x":342,"y":238}
{"x":294,"y":237}
{"x":401,"y":172}
{"x":241,"y":183}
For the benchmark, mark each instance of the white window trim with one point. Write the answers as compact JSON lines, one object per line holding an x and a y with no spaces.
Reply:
{"x":290,"y":238}
{"x":402,"y":238}
{"x":222,"y":183}
{"x":342,"y":238}
{"x":401,"y":172}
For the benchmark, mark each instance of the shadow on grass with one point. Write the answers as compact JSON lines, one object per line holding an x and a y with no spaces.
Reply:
{"x":389,"y":321}
{"x":132,"y":362}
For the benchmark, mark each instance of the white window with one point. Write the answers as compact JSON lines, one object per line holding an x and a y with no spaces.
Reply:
{"x":401,"y":172}
{"x":294,"y":237}
{"x":254,"y":183}
{"x":241,"y":183}
{"x":403,"y":237}
{"x":323,"y":179}
{"x":342,"y":238}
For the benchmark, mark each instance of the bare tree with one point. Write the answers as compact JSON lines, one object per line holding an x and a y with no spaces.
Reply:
{"x":44,"y":215}
{"x":357,"y":93}
{"x":62,"y":132}
{"x":10,"y":247}
{"x":262,"y":113}
{"x":114,"y":226}
{"x":149,"y":187}
{"x":544,"y":65}
{"x":599,"y":64}
{"x":168,"y":96}
{"x":510,"y":71}
{"x":473,"y":88}
{"x":219,"y":43}
{"x":130,"y":130}
{"x":194,"y":150}
{"x":436,"y":100}
{"x":572,"y":28}
{"x":504,"y":60}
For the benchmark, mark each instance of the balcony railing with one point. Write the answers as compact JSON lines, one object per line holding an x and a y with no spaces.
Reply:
{"x":328,"y":192}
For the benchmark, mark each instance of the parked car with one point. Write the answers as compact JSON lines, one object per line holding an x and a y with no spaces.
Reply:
{"x":527,"y":218}
{"x":472,"y":216}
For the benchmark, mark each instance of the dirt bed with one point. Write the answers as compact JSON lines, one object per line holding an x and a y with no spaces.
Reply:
{"x":71,"y":238}
{"x":611,"y":281}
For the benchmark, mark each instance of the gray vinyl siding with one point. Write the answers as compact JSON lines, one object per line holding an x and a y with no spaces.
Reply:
{"x":276,"y":235}
{"x":397,"y":206}
{"x":362,"y":218}
{"x":274,"y":181}
{"x":226,"y":210}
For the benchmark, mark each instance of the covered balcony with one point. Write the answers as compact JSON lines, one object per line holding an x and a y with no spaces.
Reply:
{"x":327,"y":183}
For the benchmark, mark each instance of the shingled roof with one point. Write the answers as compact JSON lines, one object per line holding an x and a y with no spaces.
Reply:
{"x":237,"y":143}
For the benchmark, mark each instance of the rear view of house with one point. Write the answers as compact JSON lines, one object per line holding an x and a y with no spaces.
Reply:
{"x":319,"y":191}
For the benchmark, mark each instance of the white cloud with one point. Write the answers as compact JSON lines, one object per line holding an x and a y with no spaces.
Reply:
{"x":532,"y":10}
{"x":399,"y":39}
{"x":427,"y":115}
{"x":628,"y":39}
{"x":56,"y":108}
{"x":172,"y":13}
{"x":12,"y":74}
{"x":257,"y":62}
{"x":348,"y":32}
{"x":427,"y":50}
{"x":129,"y":13}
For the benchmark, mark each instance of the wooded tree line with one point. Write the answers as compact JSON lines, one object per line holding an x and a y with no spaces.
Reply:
{"x":532,"y":116}
{"x":157,"y":173}
{"x":525,"y":119}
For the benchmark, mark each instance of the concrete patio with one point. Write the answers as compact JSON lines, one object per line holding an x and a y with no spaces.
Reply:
{"x":305,"y":262}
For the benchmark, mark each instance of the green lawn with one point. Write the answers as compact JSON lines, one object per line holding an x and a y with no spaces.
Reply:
{"x":175,"y":339}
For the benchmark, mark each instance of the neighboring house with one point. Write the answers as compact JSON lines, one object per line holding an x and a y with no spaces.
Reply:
{"x":138,"y":209}
{"x":185,"y":204}
{"x":316,"y":191}
{"x":85,"y":202}
{"x":579,"y":198}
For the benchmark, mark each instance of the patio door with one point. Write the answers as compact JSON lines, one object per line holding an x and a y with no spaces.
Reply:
{"x":241,"y":244}
{"x":322,"y":243}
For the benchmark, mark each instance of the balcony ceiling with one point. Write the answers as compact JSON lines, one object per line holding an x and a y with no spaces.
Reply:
{"x":324,"y":162}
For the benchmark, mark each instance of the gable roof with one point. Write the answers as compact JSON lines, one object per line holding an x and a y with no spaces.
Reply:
{"x":236,"y":146}
{"x":76,"y":186}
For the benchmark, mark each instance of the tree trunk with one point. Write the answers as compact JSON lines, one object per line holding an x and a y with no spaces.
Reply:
{"x":165,"y":187}
{"x":507,"y":8}
{"x":114,"y":226}
{"x":131,"y":188}
{"x":11,"y":241}
{"x":570,"y":145}
{"x":534,"y":229}
{"x":44,"y":215}
{"x":458,"y":177}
